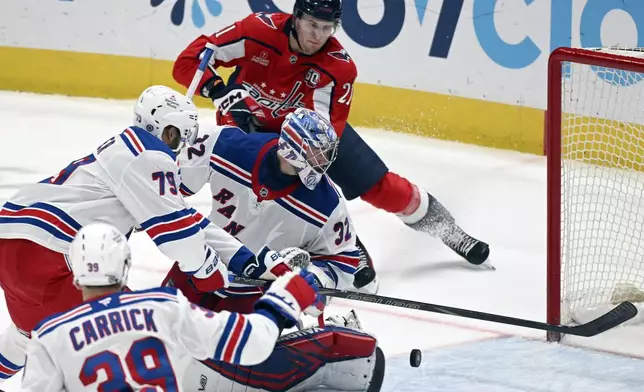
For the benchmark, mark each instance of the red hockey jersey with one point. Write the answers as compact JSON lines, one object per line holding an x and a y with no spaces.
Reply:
{"x":279,"y":79}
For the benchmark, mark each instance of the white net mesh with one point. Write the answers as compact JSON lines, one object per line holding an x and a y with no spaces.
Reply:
{"x":602,"y":187}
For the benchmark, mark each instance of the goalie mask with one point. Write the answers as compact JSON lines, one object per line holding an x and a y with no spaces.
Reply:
{"x":309,"y":143}
{"x":159,"y":107}
{"x":100,"y":256}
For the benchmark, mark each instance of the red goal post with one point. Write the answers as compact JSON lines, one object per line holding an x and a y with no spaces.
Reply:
{"x":595,"y":181}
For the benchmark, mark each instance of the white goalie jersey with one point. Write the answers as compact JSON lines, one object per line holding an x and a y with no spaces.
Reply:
{"x":142,"y":340}
{"x":317,"y":221}
{"x":129,"y":181}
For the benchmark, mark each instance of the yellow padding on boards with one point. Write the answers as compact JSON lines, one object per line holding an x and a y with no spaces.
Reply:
{"x":80,"y":74}
{"x":603,"y":142}
{"x":428,"y":114}
{"x":449,"y":117}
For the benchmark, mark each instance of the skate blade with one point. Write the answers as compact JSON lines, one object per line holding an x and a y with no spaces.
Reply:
{"x":486,"y":265}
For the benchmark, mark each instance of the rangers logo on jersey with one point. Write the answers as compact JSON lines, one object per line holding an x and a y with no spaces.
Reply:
{"x":266,"y":19}
{"x":340,"y":55}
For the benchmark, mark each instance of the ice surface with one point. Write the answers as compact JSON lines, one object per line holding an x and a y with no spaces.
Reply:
{"x":498,"y":196}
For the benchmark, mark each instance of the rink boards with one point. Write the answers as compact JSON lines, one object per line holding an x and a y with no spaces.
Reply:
{"x":374,"y":106}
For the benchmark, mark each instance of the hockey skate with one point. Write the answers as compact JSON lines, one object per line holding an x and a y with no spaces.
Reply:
{"x":365,"y":276}
{"x":439,"y":223}
{"x":466,"y":246}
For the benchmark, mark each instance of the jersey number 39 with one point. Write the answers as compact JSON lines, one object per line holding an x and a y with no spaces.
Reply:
{"x":147,"y":363}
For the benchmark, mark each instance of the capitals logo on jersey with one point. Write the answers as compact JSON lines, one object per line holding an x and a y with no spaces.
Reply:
{"x":266,"y":19}
{"x":278,"y":107}
{"x":341,"y":55}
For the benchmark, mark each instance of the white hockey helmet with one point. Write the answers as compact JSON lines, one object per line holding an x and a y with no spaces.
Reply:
{"x":100,"y":256}
{"x":159,"y":107}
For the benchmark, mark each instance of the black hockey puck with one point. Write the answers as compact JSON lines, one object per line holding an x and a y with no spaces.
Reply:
{"x":415,"y":357}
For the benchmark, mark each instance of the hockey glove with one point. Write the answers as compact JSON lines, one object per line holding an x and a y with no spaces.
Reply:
{"x":269,"y":264}
{"x":288,"y":296}
{"x":235,"y":107}
{"x":321,"y":280}
{"x":213,"y":274}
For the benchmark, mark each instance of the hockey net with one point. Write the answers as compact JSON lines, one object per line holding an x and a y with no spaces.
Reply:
{"x":595,"y":148}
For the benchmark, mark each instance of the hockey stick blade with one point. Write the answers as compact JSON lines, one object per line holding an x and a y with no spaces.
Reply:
{"x":621,"y":313}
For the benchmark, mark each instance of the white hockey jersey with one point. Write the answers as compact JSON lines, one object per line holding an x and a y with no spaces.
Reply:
{"x":317,"y":221}
{"x":137,"y":340}
{"x":130,"y":180}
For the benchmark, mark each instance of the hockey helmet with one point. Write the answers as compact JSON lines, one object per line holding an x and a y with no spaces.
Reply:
{"x":309,"y":143}
{"x":159,"y":107}
{"x":329,"y":10}
{"x":100,"y":256}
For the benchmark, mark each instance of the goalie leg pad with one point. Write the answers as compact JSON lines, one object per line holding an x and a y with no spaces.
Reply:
{"x":302,"y":360}
{"x":361,"y":374}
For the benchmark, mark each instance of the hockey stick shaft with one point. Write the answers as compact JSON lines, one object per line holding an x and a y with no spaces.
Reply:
{"x":207,"y":54}
{"x":621,"y":313}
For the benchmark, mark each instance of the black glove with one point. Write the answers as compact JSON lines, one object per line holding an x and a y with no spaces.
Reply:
{"x":235,"y":106}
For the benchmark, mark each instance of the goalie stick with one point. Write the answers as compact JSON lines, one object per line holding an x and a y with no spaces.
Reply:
{"x":621,"y":313}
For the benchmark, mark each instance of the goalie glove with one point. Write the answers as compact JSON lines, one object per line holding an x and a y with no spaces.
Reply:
{"x":213,"y":274}
{"x":235,"y":106}
{"x":269,"y":264}
{"x":288,"y":296}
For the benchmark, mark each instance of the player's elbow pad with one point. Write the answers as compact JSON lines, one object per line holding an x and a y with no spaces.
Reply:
{"x":262,"y":342}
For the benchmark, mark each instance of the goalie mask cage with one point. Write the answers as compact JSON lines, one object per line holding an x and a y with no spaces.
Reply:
{"x":595,"y":163}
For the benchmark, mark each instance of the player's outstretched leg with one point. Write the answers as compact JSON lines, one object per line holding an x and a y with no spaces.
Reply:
{"x":36,"y":283}
{"x":359,"y":172}
{"x":433,"y":218}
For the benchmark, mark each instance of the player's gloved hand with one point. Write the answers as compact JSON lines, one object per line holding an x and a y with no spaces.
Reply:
{"x":289,"y":295}
{"x":269,"y":264}
{"x":321,"y":280}
{"x":213,"y":274}
{"x":236,"y":107}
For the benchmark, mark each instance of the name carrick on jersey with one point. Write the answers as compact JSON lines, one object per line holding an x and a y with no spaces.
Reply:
{"x":129,"y":181}
{"x":279,"y":79}
{"x":141,"y":340}
{"x":314,"y":220}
